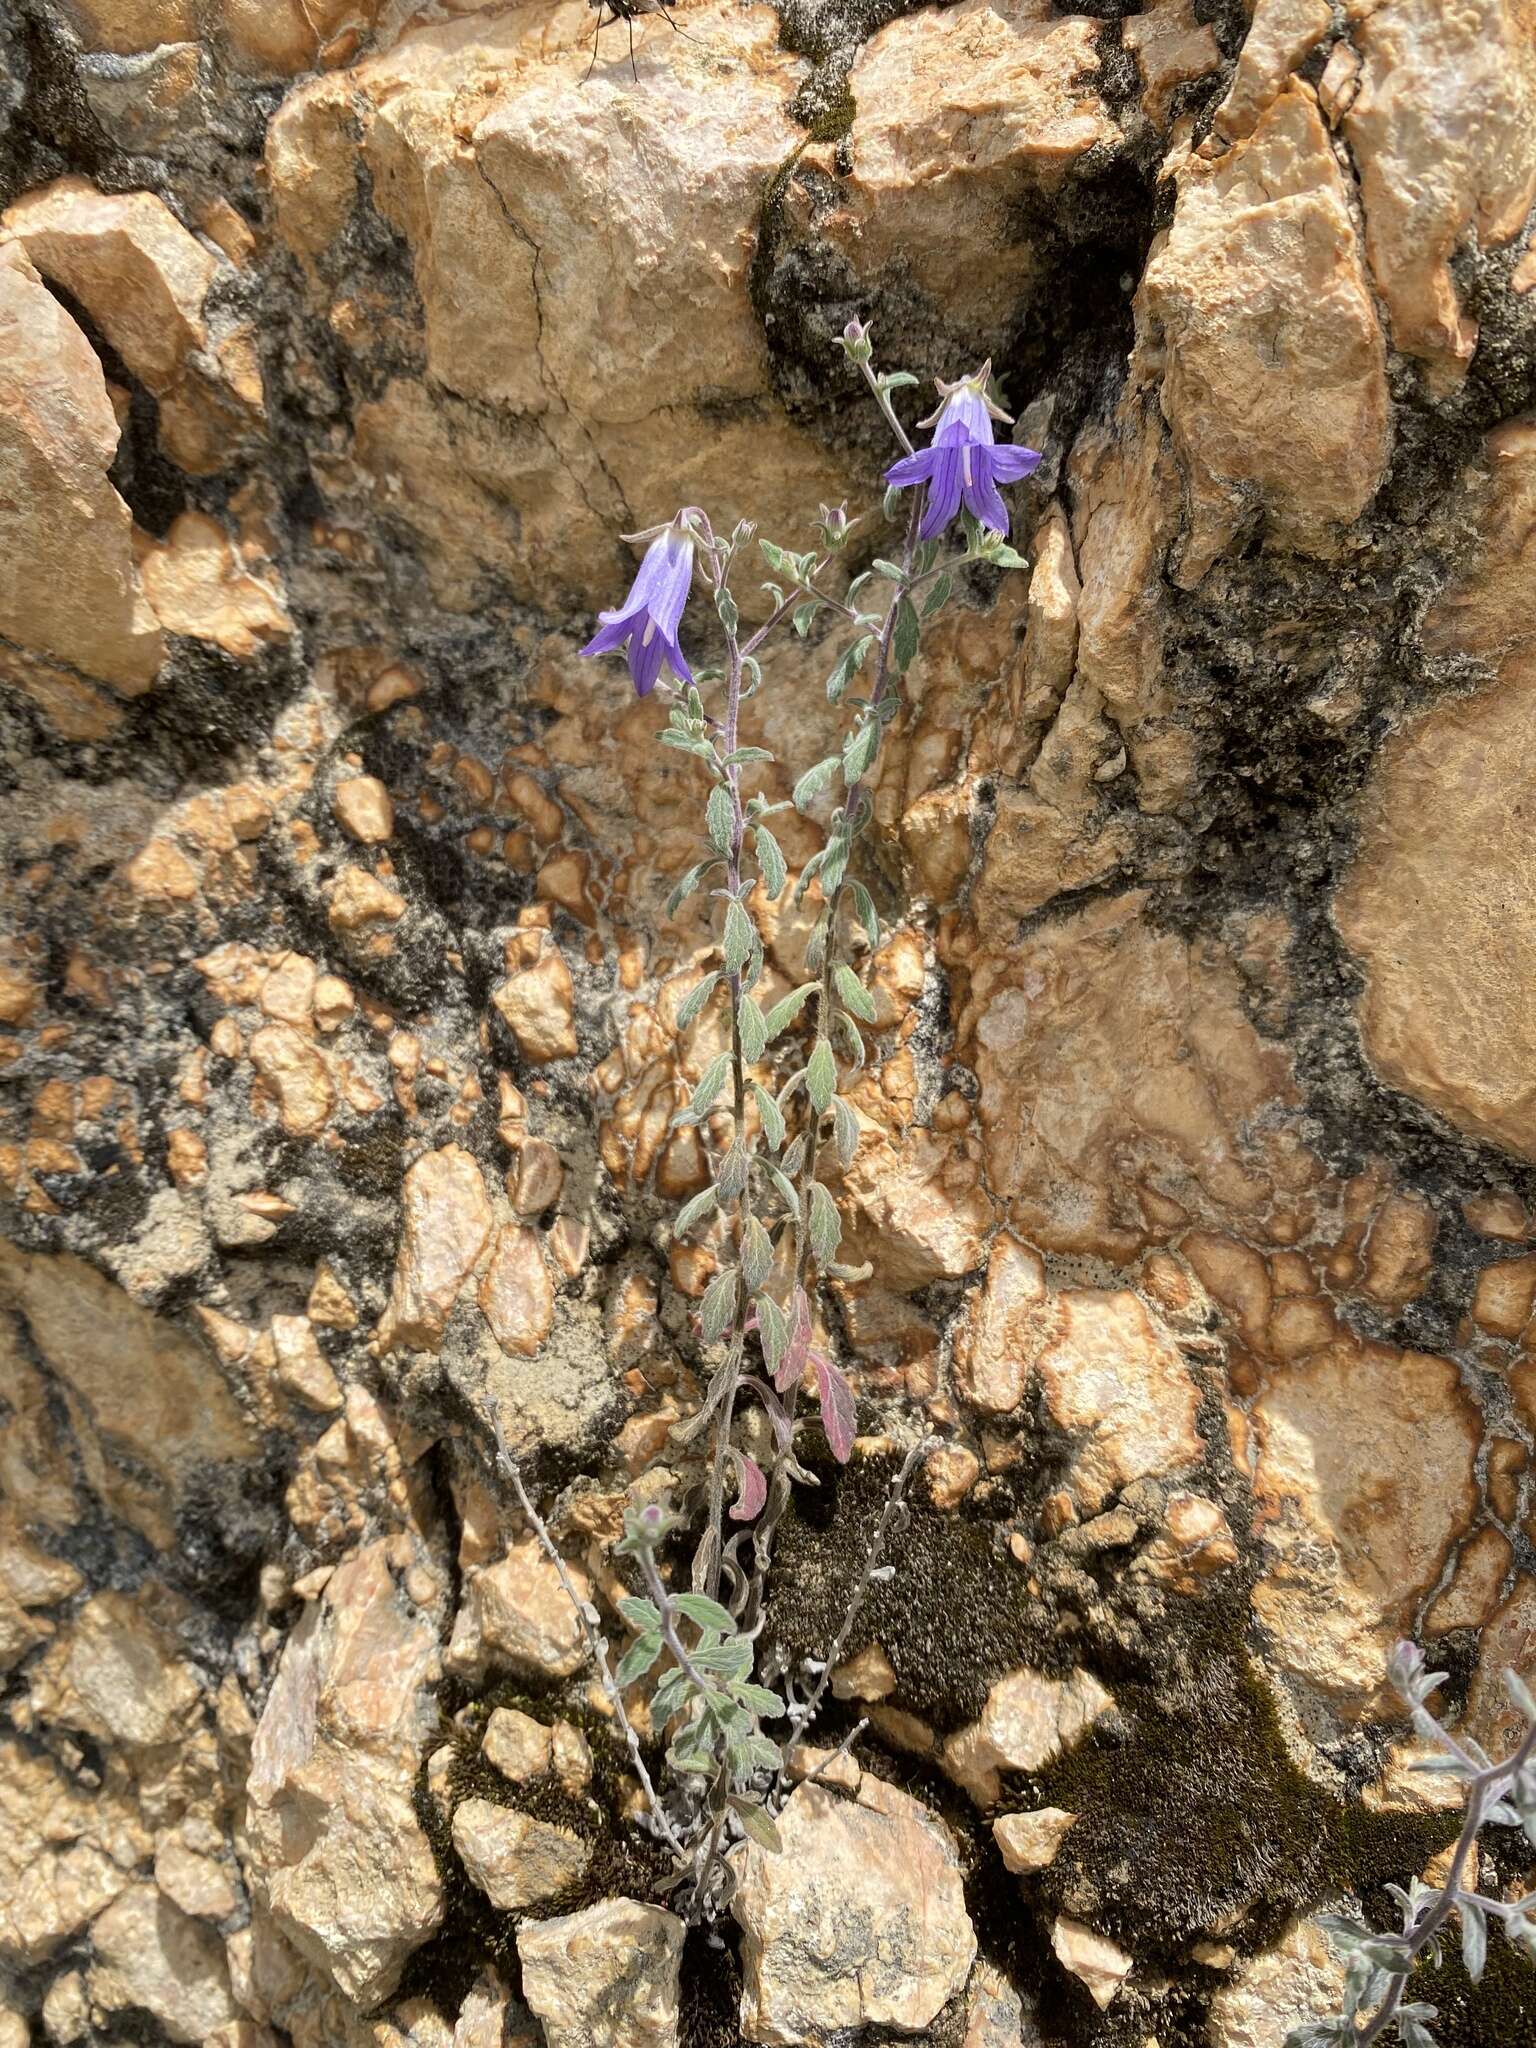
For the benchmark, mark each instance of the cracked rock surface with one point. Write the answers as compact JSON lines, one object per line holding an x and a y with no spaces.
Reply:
{"x":339,"y":343}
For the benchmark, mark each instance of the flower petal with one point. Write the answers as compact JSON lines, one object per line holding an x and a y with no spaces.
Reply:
{"x":912,"y":469}
{"x":611,"y":634}
{"x":647,"y":650}
{"x":662,"y":582}
{"x":677,"y":661}
{"x":964,"y":415}
{"x":943,"y":493}
{"x":981,"y":495}
{"x":1009,"y":463}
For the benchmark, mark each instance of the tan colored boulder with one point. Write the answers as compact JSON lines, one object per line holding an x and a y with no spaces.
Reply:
{"x":860,"y":1921}
{"x":1256,"y":316}
{"x":606,"y":1977}
{"x":334,"y":1846}
{"x":69,"y":590}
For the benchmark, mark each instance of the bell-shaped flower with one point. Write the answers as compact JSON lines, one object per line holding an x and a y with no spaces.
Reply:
{"x":963,"y":465}
{"x":646,"y":623}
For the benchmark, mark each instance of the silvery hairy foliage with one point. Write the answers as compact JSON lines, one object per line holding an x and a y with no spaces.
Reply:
{"x":771,"y":1105}
{"x":1379,"y":1965}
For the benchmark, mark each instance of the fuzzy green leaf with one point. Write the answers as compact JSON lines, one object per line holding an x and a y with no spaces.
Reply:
{"x":783,"y":1185}
{"x":858,"y":752}
{"x":710,"y":1083}
{"x":719,"y":818}
{"x":826,"y":1224}
{"x":770,"y":861}
{"x":772,"y":1116}
{"x":864,"y":905}
{"x":704,"y":1612}
{"x":753,"y":1028}
{"x":756,"y":1255}
{"x":813,"y":781}
{"x":637,"y":1659}
{"x":845,"y":1131}
{"x":788,"y":1008}
{"x":686,"y":886}
{"x":734,"y":1168}
{"x":773,"y":1332}
{"x":718,"y":1308}
{"x":695,"y":1000}
{"x":757,"y":1699}
{"x":855,"y":996}
{"x":703,"y":1204}
{"x":641,"y":1614}
{"x":757,"y":1826}
{"x":904,"y":637}
{"x":938,"y":596}
{"x":739,"y":934}
{"x":821,"y":1075}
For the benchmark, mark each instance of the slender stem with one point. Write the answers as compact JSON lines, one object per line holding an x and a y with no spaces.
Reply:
{"x":1485,"y":1791}
{"x":586,"y":1614}
{"x":661,"y":1599}
{"x":882,"y":399}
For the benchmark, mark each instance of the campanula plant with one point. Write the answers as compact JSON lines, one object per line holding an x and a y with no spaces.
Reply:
{"x":772,"y":1107}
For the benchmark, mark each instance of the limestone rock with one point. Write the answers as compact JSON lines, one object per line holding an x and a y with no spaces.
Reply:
{"x":516,"y":1612}
{"x":1427,"y":903}
{"x":1118,"y":1385}
{"x":151,"y":1957}
{"x":515,"y":1860}
{"x":1029,"y":1841}
{"x":1027,"y":1722}
{"x":1092,"y":1958}
{"x":1351,"y":1540}
{"x":517,"y":1745}
{"x":606,"y":1977}
{"x":447,"y":1221}
{"x":517,"y":1296}
{"x":149,"y":1406}
{"x":860,"y":1921}
{"x":1256,"y":313}
{"x":335,"y":1848}
{"x":69,"y":592}
{"x":1442,"y":130}
{"x":1299,"y":1979}
{"x":1013,"y":78}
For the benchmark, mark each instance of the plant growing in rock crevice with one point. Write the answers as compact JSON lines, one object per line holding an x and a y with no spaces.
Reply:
{"x":1379,"y":1966}
{"x":773,"y":1134}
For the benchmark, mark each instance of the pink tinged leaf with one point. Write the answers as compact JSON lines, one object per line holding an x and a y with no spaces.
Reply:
{"x":793,"y":1362}
{"x":838,"y":1412}
{"x":752,"y":1488}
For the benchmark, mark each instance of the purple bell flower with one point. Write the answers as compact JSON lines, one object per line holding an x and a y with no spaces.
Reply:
{"x":647,"y":620}
{"x":963,"y":466}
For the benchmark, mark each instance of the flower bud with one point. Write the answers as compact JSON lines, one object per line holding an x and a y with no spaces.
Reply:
{"x":856,"y":343}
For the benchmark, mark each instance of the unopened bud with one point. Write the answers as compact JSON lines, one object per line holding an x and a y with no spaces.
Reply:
{"x":856,"y":342}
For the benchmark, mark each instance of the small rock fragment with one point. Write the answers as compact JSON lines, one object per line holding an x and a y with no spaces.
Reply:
{"x":606,"y":1977}
{"x":1029,"y":1841}
{"x":516,"y":1860}
{"x":362,"y":805}
{"x":539,"y":1008}
{"x":151,"y":1957}
{"x":1027,"y":1722}
{"x":1091,"y":1958}
{"x":517,"y":1745}
{"x":517,"y":1613}
{"x":302,"y":1367}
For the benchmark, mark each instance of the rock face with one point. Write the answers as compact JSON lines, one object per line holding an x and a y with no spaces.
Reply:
{"x":860,"y":1921}
{"x":1192,"y":1154}
{"x":335,"y":1845}
{"x":604,"y":1978}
